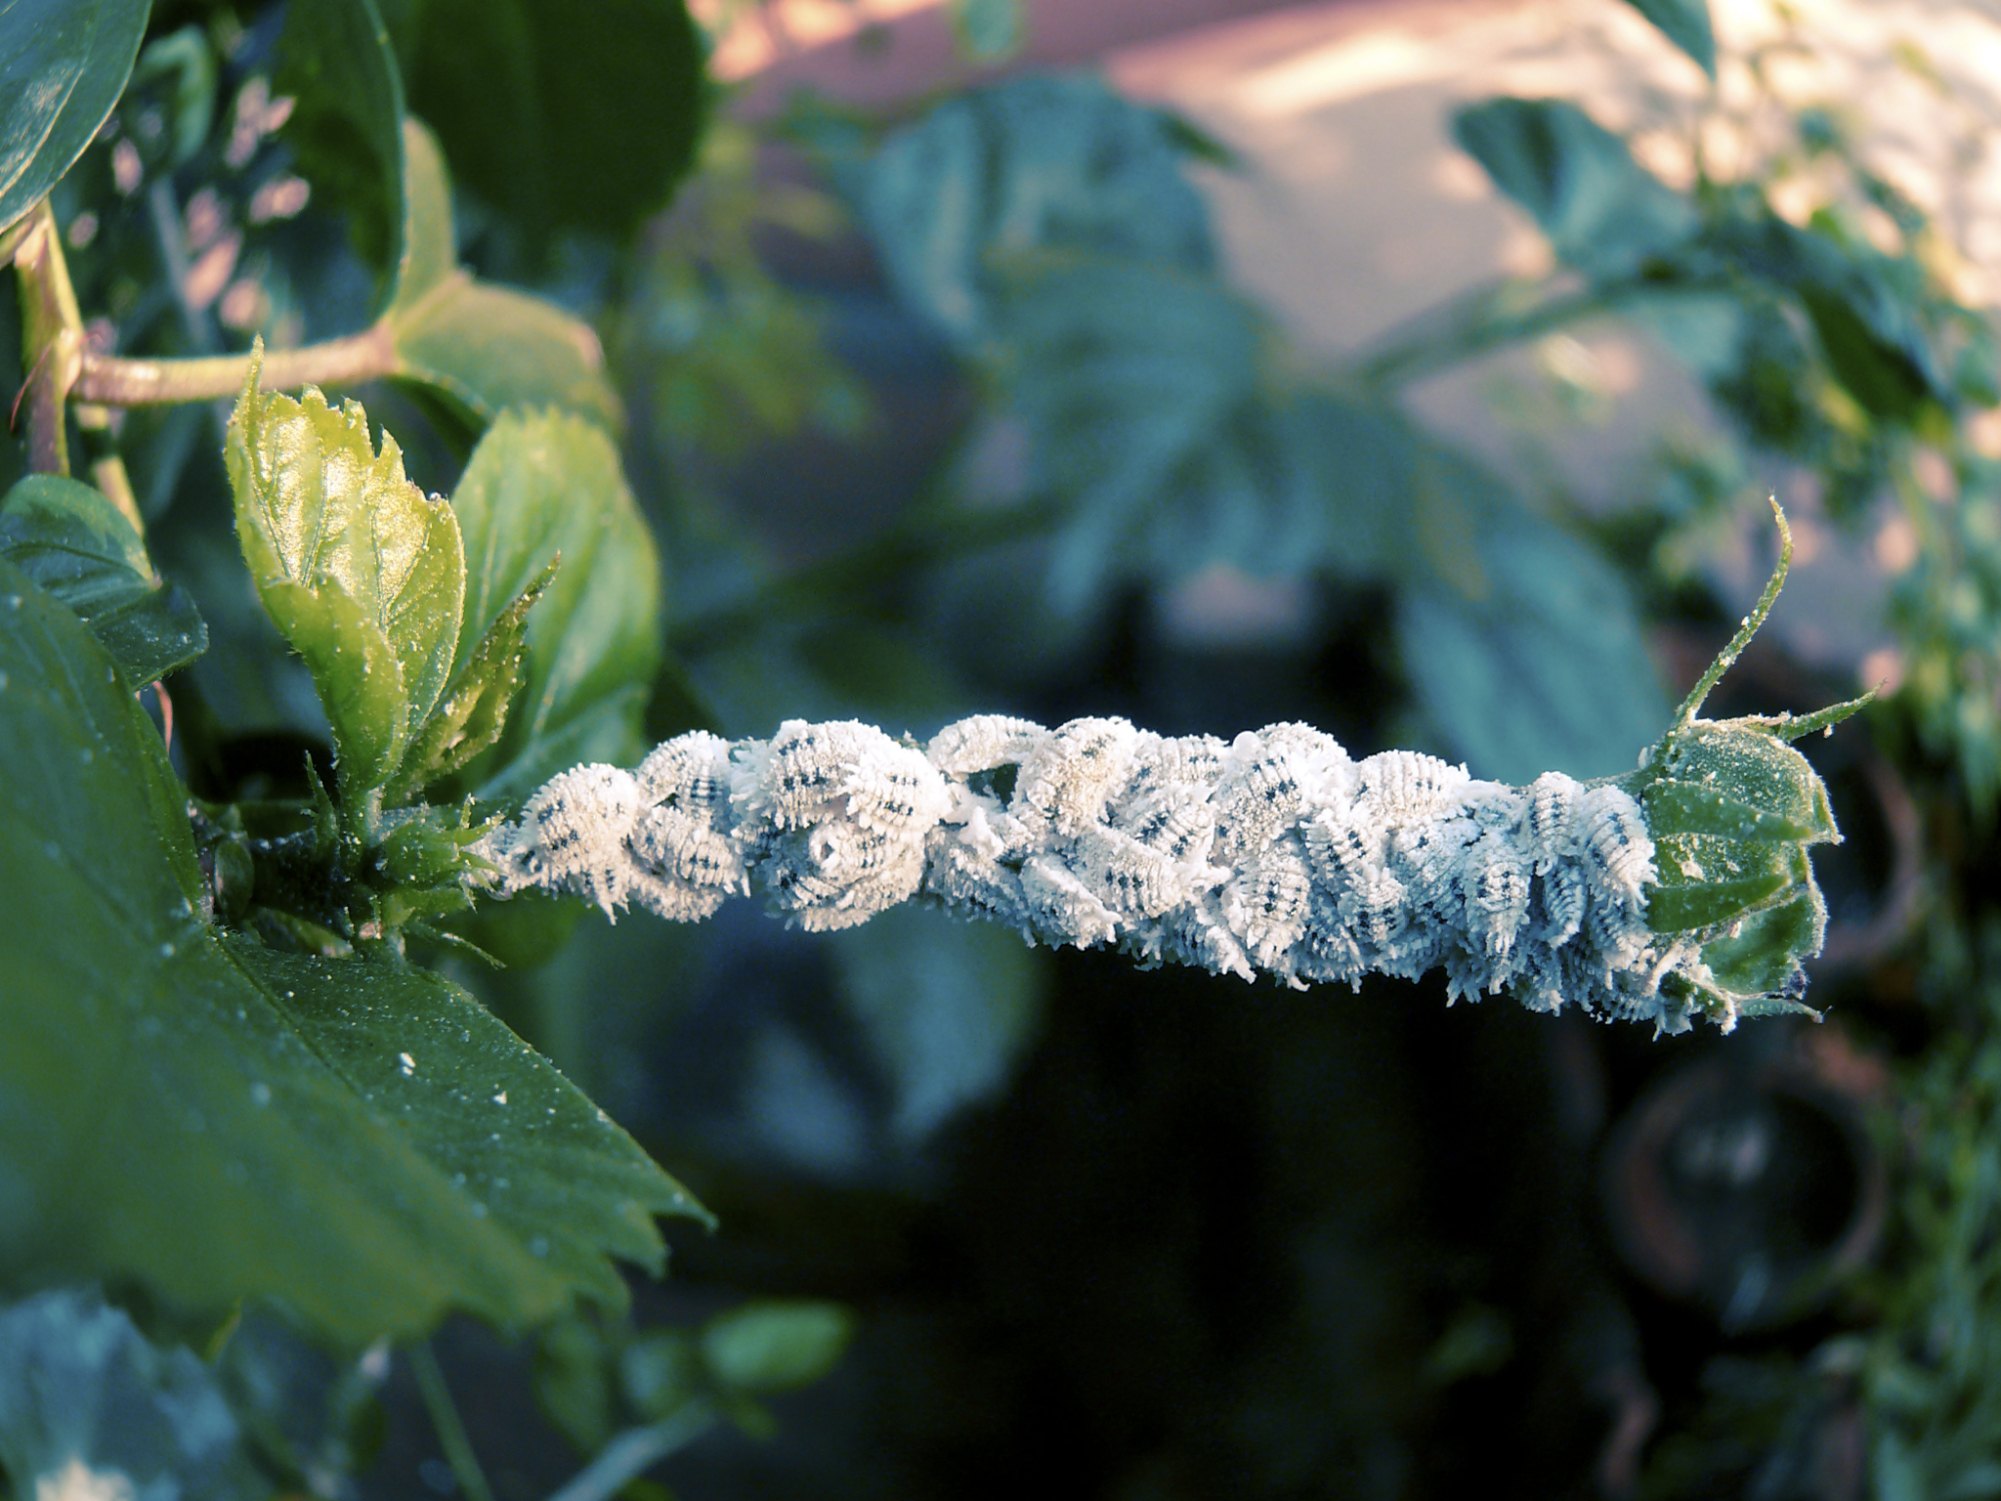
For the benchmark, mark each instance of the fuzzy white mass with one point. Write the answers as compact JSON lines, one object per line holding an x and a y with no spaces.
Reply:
{"x":1275,"y":853}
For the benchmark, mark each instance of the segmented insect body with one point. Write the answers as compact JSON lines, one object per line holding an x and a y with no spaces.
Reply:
{"x":1275,"y":853}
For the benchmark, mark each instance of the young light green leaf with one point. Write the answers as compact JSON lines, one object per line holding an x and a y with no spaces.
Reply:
{"x":347,"y":123}
{"x":63,"y":64}
{"x":74,"y":542}
{"x":89,"y":1409}
{"x":483,"y":348}
{"x":359,"y":1140}
{"x":1603,"y":212}
{"x":561,"y":116}
{"x":363,"y":574}
{"x":473,"y":712}
{"x":543,"y":485}
{"x":775,"y":1345}
{"x":1686,"y":24}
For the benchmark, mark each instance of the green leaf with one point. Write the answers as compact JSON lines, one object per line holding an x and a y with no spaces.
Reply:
{"x":1519,"y":642}
{"x":774,"y":1346}
{"x":346,"y":126}
{"x":1742,"y":767}
{"x":63,"y":64}
{"x":470,"y":717}
{"x":363,"y":574}
{"x":359,"y":1140}
{"x":89,"y":1408}
{"x":561,"y":116}
{"x":1127,"y":377}
{"x":75,"y":543}
{"x":542,"y":486}
{"x":1036,"y":164}
{"x":484,"y":348}
{"x":1762,"y":957}
{"x":1603,"y":212}
{"x":988,"y":30}
{"x":1686,"y":24}
{"x":1709,"y":883}
{"x":948,"y":1009}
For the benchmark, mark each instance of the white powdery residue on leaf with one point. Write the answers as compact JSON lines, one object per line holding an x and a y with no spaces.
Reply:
{"x":1273,"y":854}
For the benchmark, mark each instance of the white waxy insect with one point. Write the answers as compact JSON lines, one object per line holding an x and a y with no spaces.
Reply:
{"x":1070,"y":776}
{"x":1407,"y":787}
{"x":1276,"y":853}
{"x":1613,"y":837}
{"x":1266,"y":904}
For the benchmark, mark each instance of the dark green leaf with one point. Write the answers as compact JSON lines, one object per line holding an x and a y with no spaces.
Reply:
{"x":544,"y":485}
{"x":1745,"y":767}
{"x":1710,"y":883}
{"x":347,"y":124}
{"x":63,"y":64}
{"x":1762,"y":957}
{"x":773,"y":1346}
{"x":562,"y":116}
{"x":89,"y":1409}
{"x":362,"y":573}
{"x":1603,"y":212}
{"x":1519,"y":642}
{"x":1686,"y":24}
{"x":948,"y":1009}
{"x":1685,"y":808}
{"x":356,"y":1139}
{"x":1036,"y":164}
{"x":74,"y":542}
{"x":988,"y":30}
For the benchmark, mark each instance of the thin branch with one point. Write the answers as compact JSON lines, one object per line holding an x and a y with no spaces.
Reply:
{"x":445,"y":1421}
{"x":1746,"y":629}
{"x":347,"y":361}
{"x":631,"y":1453}
{"x":51,"y":339}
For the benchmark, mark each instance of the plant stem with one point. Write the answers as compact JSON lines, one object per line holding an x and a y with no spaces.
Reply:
{"x":445,"y":1421}
{"x":346,"y":361}
{"x":51,"y":339}
{"x":1469,"y":327}
{"x":631,"y":1453}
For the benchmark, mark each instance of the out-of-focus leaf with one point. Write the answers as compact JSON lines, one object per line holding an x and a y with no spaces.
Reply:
{"x":1531,"y":660}
{"x":544,"y":485}
{"x":1125,"y":376}
{"x":182,"y":60}
{"x":1039,"y":163}
{"x":562,"y":116}
{"x":89,"y":1409}
{"x":484,"y":348}
{"x":357,"y":1139}
{"x":948,"y":1009}
{"x":363,"y":574}
{"x":988,"y":30}
{"x":774,"y":1346}
{"x":63,"y":64}
{"x":1603,"y":212}
{"x":74,"y":542}
{"x":347,"y":120}
{"x":1686,"y":24}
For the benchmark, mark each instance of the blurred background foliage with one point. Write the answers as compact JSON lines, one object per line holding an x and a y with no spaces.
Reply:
{"x":954,"y":404}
